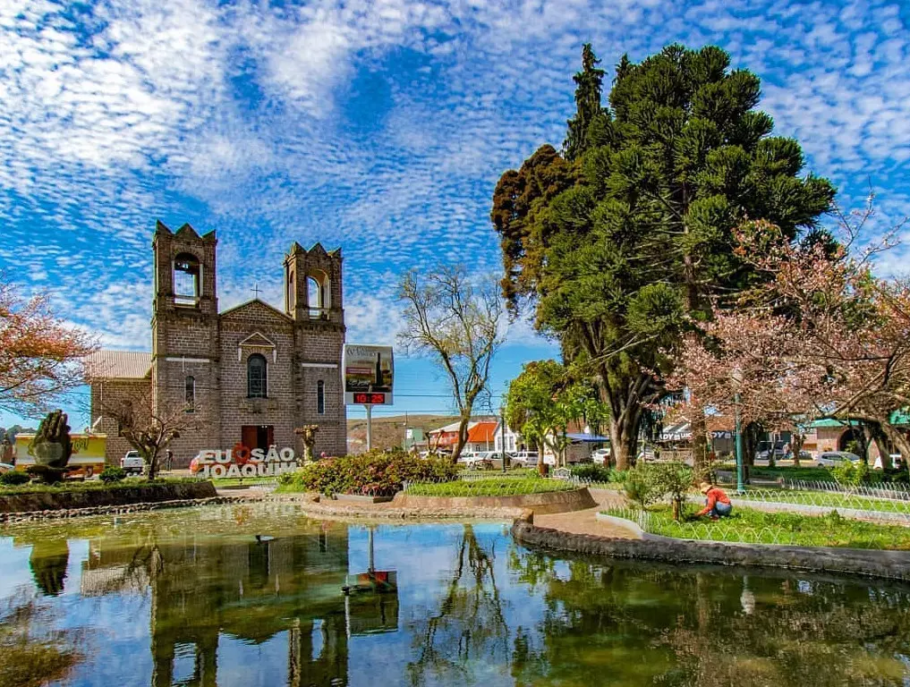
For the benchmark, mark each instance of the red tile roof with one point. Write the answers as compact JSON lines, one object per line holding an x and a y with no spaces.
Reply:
{"x":482,"y":432}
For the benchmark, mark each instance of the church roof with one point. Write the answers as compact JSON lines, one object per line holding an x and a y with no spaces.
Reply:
{"x":118,"y":365}
{"x":252,"y":303}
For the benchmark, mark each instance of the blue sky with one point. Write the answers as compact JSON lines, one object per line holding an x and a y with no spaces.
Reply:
{"x":377,"y":126}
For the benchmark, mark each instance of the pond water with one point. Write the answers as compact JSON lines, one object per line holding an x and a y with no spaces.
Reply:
{"x":252,"y":596}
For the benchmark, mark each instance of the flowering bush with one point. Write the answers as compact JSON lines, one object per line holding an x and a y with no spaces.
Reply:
{"x":375,"y":473}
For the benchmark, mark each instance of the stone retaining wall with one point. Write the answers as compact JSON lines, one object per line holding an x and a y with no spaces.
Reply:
{"x":33,"y":502}
{"x":868,"y":563}
{"x":312,"y":505}
{"x":542,"y":504}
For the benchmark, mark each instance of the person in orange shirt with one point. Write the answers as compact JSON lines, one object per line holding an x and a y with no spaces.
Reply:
{"x":717,"y":504}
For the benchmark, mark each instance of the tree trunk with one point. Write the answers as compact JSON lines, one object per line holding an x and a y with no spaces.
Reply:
{"x":881,"y":443}
{"x":796,"y":446}
{"x":462,"y":438}
{"x":152,"y":466}
{"x":698,"y":425}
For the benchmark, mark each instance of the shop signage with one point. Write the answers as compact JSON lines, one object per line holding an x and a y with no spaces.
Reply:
{"x":368,"y":374}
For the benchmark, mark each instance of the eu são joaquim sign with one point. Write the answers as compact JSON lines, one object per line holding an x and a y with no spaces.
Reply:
{"x":243,"y":462}
{"x":368,"y":375}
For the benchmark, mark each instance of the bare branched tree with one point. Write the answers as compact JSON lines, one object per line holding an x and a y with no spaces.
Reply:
{"x":455,"y":320}
{"x":150,"y":429}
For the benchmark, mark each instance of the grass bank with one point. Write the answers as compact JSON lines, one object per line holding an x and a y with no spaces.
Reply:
{"x":756,"y":527}
{"x":492,"y":486}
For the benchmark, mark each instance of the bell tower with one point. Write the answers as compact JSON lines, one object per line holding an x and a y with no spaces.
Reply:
{"x":312,"y":285}
{"x":186,"y":346}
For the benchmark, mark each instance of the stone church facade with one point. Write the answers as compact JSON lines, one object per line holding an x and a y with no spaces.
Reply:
{"x":251,"y":374}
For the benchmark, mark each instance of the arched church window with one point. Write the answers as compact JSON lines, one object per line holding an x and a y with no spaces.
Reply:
{"x":320,"y":397}
{"x":187,"y":279}
{"x":190,"y":393}
{"x":256,"y":376}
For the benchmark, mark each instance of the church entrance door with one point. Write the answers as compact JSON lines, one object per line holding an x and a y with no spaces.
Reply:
{"x":258,"y":436}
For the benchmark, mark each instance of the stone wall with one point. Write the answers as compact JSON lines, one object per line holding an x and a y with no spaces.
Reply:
{"x":541,"y":504}
{"x":279,"y":409}
{"x":106,"y":395}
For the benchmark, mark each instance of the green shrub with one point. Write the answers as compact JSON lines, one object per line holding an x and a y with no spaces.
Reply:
{"x":850,"y":474}
{"x":14,"y":478}
{"x":638,"y":484}
{"x":648,"y":483}
{"x":372,"y":473}
{"x":672,"y":481}
{"x":592,"y":472}
{"x":112,"y":474}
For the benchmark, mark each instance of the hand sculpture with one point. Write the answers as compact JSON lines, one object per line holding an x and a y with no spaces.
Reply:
{"x":307,"y":435}
{"x":52,"y":447}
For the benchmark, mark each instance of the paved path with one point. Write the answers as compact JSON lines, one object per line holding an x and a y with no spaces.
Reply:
{"x":583,"y":522}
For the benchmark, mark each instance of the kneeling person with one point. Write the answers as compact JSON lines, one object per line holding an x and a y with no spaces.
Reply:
{"x":718,"y":504}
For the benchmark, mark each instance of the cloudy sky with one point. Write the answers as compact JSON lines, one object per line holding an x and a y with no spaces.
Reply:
{"x":380,"y":126}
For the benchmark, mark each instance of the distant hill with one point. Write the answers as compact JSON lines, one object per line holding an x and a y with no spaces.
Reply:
{"x":389,"y":431}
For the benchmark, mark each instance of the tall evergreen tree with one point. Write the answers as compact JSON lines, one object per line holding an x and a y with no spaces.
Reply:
{"x":589,"y":83}
{"x":618,"y":245}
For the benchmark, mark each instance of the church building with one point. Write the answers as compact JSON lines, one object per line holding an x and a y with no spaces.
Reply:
{"x":252,"y":374}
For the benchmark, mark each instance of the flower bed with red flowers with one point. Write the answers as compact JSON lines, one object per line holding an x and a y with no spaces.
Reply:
{"x":375,"y":473}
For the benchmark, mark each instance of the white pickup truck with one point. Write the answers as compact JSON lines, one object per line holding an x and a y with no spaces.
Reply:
{"x":132,"y":463}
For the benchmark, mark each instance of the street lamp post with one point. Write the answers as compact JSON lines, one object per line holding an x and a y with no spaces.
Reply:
{"x":737,"y":381}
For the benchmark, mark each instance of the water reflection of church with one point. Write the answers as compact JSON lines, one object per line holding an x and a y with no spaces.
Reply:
{"x":237,"y":587}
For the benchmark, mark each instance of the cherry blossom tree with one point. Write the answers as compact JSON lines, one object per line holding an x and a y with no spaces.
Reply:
{"x":819,"y":336}
{"x":40,"y":355}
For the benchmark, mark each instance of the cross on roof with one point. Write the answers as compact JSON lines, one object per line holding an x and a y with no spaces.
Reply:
{"x":255,"y":289}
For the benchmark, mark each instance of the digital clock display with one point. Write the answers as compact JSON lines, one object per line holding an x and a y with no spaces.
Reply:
{"x":375,"y":399}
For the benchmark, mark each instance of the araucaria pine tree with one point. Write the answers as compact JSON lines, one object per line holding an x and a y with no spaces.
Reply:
{"x":620,"y":242}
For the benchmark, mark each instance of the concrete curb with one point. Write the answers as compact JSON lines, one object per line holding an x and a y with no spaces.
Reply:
{"x":866,"y":563}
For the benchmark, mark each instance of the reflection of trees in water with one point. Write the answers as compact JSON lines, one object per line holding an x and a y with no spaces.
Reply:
{"x":31,"y":656}
{"x":826,"y":634}
{"x":48,"y":561}
{"x":469,"y":626}
{"x":708,"y":629}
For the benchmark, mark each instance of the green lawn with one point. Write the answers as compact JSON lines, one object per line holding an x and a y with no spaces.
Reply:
{"x":824,"y":499}
{"x":755,"y":527}
{"x":492,"y":486}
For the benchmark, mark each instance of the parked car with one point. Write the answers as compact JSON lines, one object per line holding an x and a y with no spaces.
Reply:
{"x":132,"y":463}
{"x":829,"y":459}
{"x":525,"y":457}
{"x":764,"y":451}
{"x":803,"y":455}
{"x":601,"y":456}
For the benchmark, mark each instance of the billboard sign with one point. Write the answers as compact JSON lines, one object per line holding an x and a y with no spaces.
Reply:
{"x":368,"y":373}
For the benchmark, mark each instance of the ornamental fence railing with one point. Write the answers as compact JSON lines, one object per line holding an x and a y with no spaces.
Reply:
{"x":884,"y":490}
{"x":819,"y":502}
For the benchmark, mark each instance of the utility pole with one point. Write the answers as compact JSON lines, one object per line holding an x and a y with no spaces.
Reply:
{"x":502,"y":432}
